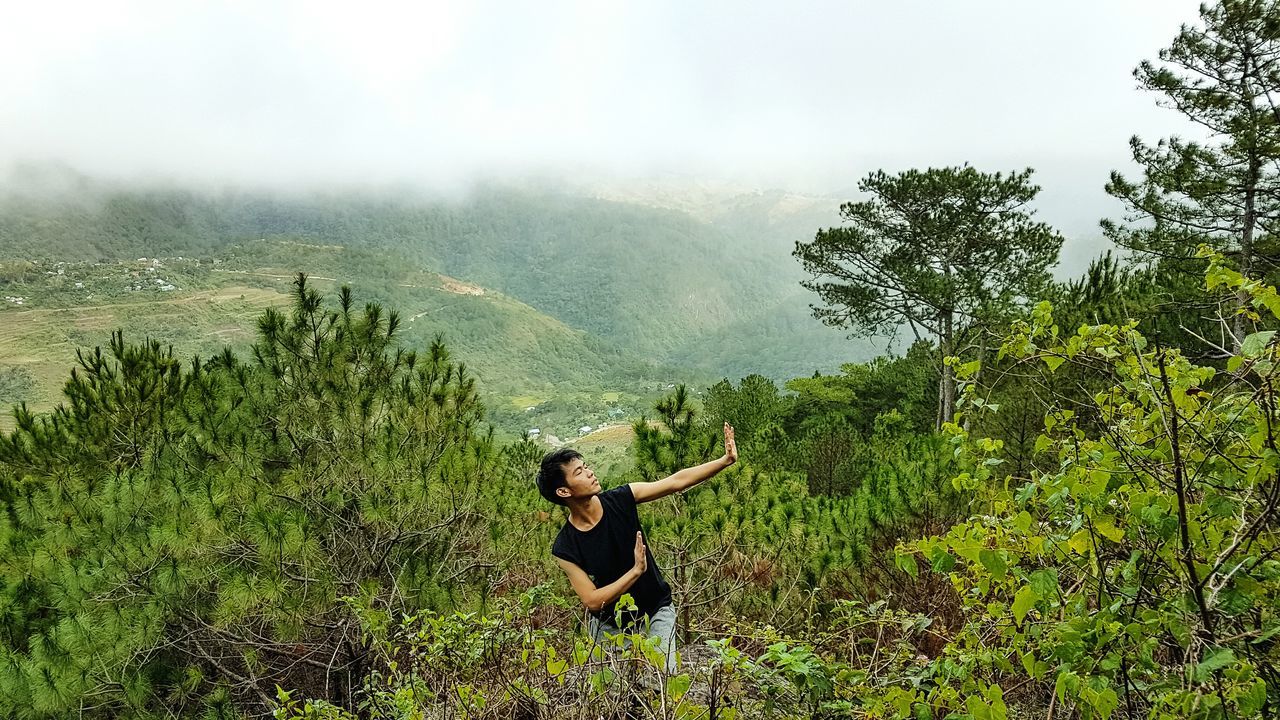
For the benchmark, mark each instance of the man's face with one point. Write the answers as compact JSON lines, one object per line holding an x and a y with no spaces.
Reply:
{"x":579,"y":479}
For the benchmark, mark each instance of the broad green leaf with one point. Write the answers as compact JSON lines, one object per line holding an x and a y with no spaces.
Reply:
{"x":678,"y":685}
{"x":601,"y":679}
{"x":968,"y":369}
{"x":1080,"y":543}
{"x":1253,"y":700}
{"x":1045,"y":583}
{"x":942,"y":561}
{"x":1214,"y":660}
{"x":993,"y":562}
{"x":1106,"y":527}
{"x":907,"y":563}
{"x":1254,"y":345}
{"x":1023,"y":601}
{"x":1043,"y":442}
{"x":1023,"y":522}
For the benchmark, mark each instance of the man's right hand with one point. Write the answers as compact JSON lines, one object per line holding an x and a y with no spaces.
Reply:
{"x":642,"y":558}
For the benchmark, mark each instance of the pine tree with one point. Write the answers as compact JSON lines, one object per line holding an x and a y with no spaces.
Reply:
{"x":679,"y":443}
{"x":186,"y":538}
{"x":1225,"y":190}
{"x":940,"y":251}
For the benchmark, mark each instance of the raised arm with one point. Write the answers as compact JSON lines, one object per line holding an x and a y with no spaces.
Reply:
{"x":597,"y":598}
{"x":688,"y":477}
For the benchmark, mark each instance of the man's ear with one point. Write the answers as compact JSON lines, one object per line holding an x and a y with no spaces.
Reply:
{"x":563,"y":491}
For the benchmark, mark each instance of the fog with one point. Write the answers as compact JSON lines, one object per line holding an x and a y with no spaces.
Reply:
{"x":803,"y":96}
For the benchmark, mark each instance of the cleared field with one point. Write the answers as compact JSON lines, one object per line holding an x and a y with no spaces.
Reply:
{"x":608,"y":450}
{"x":609,"y":435}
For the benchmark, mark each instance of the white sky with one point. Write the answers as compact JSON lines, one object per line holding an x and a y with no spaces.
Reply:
{"x":805,"y":95}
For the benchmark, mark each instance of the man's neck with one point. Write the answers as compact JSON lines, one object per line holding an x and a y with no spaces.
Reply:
{"x":584,"y":513}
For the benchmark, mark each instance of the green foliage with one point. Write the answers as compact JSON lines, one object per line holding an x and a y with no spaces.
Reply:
{"x":1221,"y":75}
{"x":506,"y":664}
{"x":940,"y":250}
{"x":1134,"y":575}
{"x":753,"y":408}
{"x":679,"y":443}
{"x":16,"y":385}
{"x":174,"y":533}
{"x":864,"y":392}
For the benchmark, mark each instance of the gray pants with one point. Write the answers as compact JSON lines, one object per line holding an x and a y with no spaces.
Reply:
{"x":662,"y":625}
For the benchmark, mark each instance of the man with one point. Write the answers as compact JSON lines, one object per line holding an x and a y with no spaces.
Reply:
{"x":602,"y":549}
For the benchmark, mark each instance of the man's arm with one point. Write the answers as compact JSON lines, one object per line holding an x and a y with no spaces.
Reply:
{"x":596,"y":598}
{"x":688,"y":477}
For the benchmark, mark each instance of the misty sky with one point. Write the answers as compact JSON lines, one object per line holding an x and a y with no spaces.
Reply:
{"x":809,"y":96}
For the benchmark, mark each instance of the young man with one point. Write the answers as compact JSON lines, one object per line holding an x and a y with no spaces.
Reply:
{"x":602,"y":549}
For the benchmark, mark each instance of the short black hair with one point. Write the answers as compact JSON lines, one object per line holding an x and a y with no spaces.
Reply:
{"x":551,"y":474}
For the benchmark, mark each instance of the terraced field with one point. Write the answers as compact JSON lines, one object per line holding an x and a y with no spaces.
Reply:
{"x":521,"y":357}
{"x":44,"y":341}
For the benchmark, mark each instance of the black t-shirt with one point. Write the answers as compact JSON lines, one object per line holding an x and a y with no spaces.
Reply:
{"x":608,"y":550}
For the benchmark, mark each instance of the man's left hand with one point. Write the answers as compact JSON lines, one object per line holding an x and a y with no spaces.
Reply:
{"x":730,"y":447}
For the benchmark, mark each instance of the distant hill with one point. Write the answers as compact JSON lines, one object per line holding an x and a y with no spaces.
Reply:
{"x":710,"y":287}
{"x":519,"y":355}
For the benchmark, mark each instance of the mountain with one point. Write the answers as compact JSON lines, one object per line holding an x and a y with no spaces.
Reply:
{"x":708,"y":286}
{"x":520,"y":356}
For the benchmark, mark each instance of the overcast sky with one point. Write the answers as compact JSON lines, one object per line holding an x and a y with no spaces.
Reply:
{"x":804,"y":95}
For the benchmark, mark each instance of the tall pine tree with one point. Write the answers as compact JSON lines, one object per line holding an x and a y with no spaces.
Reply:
{"x":941,"y":251}
{"x":1224,"y":188}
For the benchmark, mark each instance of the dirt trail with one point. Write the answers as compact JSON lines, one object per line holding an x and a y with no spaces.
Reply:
{"x":269,"y":275}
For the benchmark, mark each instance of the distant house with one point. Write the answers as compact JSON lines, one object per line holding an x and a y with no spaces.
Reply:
{"x":584,"y":429}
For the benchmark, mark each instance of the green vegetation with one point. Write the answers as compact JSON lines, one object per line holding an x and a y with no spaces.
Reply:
{"x":201,"y":306}
{"x":16,"y":383}
{"x":191,"y":536}
{"x":571,"y":258}
{"x":322,"y":520}
{"x":946,"y":252}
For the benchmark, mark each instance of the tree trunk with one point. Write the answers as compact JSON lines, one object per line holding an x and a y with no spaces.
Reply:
{"x":937,"y":416}
{"x":1238,"y":329}
{"x":947,"y":382}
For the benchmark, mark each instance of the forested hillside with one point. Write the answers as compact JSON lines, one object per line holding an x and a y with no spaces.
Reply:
{"x":522,"y":357}
{"x":657,"y":282}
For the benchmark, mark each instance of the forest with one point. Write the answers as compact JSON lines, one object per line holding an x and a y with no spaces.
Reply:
{"x":1059,"y":499}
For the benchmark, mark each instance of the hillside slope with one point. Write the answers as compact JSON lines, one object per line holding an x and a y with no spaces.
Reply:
{"x":710,"y":286}
{"x":515,"y":352}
